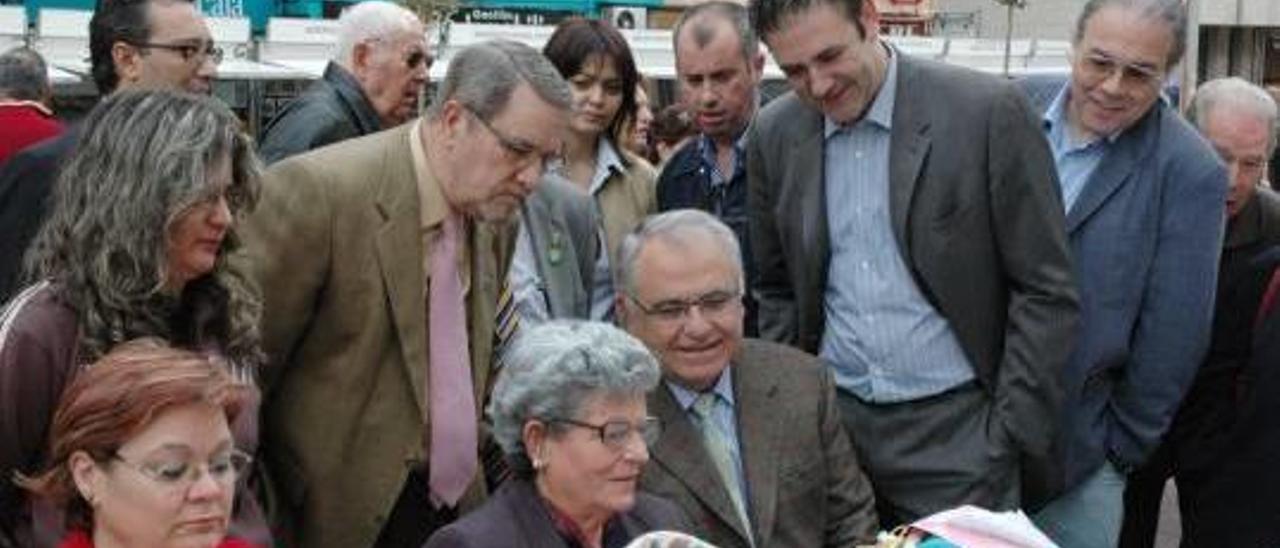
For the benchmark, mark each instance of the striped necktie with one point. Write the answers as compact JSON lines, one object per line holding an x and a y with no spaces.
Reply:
{"x":718,"y":447}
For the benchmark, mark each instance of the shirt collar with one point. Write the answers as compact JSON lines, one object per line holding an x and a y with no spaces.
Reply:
{"x":881,"y":111}
{"x":432,"y":208}
{"x":607,"y":162}
{"x":722,"y":388}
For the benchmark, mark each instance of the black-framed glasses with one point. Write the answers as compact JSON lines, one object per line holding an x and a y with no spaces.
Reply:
{"x":1100,"y":66}
{"x":177,"y":475}
{"x":675,"y":310}
{"x":521,"y":151}
{"x":190,"y":52}
{"x":615,"y":434}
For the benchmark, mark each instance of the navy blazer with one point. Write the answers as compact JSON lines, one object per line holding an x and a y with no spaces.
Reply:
{"x":1145,"y":235}
{"x":516,"y":518}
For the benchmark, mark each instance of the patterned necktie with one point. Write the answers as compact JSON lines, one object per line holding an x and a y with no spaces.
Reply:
{"x":451,"y":400}
{"x":717,"y":443}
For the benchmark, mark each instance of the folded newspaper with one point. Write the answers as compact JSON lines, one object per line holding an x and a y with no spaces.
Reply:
{"x":969,"y":527}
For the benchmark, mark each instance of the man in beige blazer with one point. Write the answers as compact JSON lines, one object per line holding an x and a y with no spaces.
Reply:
{"x":752,"y":447}
{"x":340,"y":247}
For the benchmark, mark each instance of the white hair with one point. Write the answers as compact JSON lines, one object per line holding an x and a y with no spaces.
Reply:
{"x":1238,"y":94}
{"x":370,"y":20}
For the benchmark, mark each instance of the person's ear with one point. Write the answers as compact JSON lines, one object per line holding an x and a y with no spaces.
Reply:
{"x":452,"y":117}
{"x":870,"y":18}
{"x":361,"y":59}
{"x":86,"y":475}
{"x":127,"y":60}
{"x":534,"y":436}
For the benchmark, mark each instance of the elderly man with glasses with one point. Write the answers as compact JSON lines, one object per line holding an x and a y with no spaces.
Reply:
{"x":753,"y":449}
{"x":373,"y":82}
{"x":1145,"y":201}
{"x":379,"y":261}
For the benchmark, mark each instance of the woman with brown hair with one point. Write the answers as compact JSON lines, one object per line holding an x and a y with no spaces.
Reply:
{"x":141,"y":452}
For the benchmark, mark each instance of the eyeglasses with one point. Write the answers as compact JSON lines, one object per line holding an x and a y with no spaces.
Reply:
{"x":521,"y":152}
{"x":676,"y":310}
{"x":194,"y":52}
{"x":616,"y":434}
{"x":177,"y":475}
{"x":1100,"y":66}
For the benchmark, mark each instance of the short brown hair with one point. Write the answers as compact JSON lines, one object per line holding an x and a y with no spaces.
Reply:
{"x":117,"y":397}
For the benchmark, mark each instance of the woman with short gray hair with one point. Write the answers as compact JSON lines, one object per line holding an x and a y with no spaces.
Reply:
{"x":569,"y":411}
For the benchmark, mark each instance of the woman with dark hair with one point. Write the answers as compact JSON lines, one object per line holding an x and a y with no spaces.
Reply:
{"x":595,"y":59}
{"x":140,"y":452}
{"x":140,"y":224}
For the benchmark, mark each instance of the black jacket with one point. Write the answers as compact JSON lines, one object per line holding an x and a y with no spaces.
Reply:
{"x":686,"y":183}
{"x":333,"y":109}
{"x":26,"y":183}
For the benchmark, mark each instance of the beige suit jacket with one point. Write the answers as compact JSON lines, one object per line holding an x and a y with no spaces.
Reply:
{"x":335,"y":249}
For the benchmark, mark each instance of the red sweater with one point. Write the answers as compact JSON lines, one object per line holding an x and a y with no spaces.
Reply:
{"x":80,"y":539}
{"x":22,"y":124}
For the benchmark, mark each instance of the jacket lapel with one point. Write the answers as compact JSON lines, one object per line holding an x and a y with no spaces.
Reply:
{"x":482,"y":304}
{"x":909,"y":143}
{"x":399,"y":252}
{"x":806,"y":184}
{"x":1111,"y":174}
{"x":1115,"y":168}
{"x":679,"y":450}
{"x":755,"y":388}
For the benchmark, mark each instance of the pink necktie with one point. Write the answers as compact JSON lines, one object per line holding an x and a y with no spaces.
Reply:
{"x":453,"y":411}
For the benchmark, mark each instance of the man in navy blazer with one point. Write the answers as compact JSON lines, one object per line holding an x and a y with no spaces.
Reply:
{"x":1145,"y":203}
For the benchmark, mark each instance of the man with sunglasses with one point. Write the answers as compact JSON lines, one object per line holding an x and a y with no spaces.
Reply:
{"x":133,"y":44}
{"x":379,"y":260}
{"x":1145,"y":203}
{"x":752,"y":446}
{"x":373,"y":83}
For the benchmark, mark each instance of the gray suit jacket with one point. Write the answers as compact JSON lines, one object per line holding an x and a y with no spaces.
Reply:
{"x":977,"y":214}
{"x":805,"y":487}
{"x":564,"y":229}
{"x":1146,"y":235}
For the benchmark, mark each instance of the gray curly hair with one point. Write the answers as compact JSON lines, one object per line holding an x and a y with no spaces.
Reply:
{"x":554,"y":368}
{"x":143,"y":159}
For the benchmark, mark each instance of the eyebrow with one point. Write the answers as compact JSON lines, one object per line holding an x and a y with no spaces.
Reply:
{"x":184,"y":448}
{"x":1113,"y":57}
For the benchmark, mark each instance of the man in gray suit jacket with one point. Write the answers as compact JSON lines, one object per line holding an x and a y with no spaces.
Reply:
{"x":752,"y":448}
{"x":554,"y":268}
{"x":1145,"y":198}
{"x":909,"y":230}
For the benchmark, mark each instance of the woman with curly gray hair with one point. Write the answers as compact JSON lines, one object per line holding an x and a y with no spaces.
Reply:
{"x":140,"y":223}
{"x":569,"y":412}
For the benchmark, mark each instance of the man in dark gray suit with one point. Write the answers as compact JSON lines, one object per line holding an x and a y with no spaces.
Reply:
{"x":908,"y":229}
{"x":752,"y":448}
{"x":1145,"y":200}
